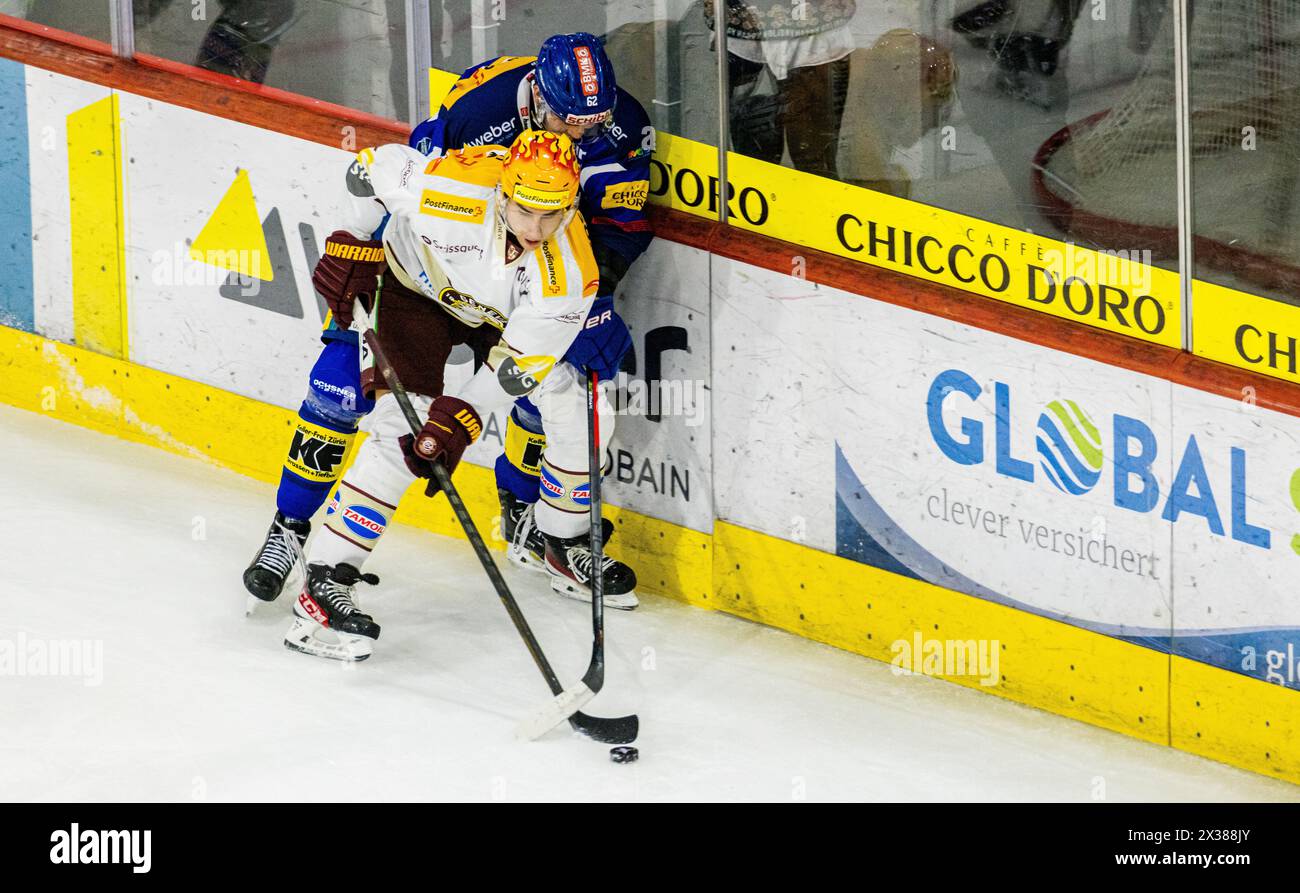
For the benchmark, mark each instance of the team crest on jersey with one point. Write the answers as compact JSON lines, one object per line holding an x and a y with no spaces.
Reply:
{"x":627,"y":195}
{"x":458,"y":300}
{"x":452,"y":207}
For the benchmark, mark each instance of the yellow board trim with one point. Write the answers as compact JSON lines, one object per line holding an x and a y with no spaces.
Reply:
{"x":1235,"y":719}
{"x":1067,"y":670}
{"x":1110,"y":291}
{"x":97,"y":228}
{"x":1246,"y":331}
{"x":1083,"y":675}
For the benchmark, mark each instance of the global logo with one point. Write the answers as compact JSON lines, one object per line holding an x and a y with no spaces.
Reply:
{"x":1069,"y":447}
{"x":1214,"y":494}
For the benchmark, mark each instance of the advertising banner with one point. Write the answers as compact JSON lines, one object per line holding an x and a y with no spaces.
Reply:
{"x":224,"y":225}
{"x":1072,"y":489}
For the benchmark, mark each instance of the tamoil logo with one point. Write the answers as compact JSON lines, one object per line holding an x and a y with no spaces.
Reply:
{"x":552,"y":485}
{"x":364,"y":521}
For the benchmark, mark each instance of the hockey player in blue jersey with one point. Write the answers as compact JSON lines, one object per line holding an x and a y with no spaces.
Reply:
{"x":570,"y":88}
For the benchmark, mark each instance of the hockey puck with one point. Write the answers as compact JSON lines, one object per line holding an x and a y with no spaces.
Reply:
{"x":624,"y":754}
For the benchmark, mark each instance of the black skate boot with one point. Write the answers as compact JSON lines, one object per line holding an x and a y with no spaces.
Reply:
{"x":326,"y":620}
{"x":527,"y":547}
{"x":568,"y":561}
{"x":281,"y":550}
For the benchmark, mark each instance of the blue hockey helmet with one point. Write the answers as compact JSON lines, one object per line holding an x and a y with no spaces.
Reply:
{"x":576,"y":78}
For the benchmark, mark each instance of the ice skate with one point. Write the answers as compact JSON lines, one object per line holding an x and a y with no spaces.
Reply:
{"x":527,"y":545}
{"x":281,"y":551}
{"x":568,"y":561}
{"x":326,"y":619}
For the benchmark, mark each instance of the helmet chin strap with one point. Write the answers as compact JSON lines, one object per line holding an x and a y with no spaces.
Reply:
{"x":536,"y":114}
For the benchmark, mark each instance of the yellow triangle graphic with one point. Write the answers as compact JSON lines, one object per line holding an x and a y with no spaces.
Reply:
{"x":233,"y":238}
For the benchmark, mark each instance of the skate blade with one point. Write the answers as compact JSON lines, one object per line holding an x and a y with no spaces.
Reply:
{"x":526,"y":560}
{"x":309,"y":637}
{"x":626,"y":601}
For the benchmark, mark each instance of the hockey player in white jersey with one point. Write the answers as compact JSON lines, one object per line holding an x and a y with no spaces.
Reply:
{"x":483,"y":247}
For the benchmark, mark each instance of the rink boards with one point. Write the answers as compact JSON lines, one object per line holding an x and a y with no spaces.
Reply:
{"x":857,"y":472}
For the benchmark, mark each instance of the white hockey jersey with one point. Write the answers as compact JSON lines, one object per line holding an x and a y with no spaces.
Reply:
{"x":445,"y":240}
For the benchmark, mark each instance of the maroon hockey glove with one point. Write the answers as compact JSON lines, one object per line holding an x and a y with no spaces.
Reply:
{"x":346,"y":269}
{"x":453,"y":425}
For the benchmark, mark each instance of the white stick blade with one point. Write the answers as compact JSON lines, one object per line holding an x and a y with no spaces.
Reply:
{"x":560,"y":708}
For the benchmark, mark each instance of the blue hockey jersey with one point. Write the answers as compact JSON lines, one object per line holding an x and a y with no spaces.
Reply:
{"x":490,"y":105}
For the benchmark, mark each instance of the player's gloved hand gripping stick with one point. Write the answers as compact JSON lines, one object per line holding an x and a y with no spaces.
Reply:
{"x":567,"y":703}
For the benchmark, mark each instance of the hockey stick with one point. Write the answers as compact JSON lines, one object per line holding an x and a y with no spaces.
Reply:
{"x":566,"y":704}
{"x":594,"y":679}
{"x":595,"y":675}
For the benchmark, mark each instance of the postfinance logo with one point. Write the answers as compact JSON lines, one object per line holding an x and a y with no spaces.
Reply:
{"x":1072,"y":450}
{"x":452,"y":207}
{"x":1069,"y":447}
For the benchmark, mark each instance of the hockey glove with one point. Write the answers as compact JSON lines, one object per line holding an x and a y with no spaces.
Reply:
{"x":603,"y":341}
{"x":453,"y":425}
{"x":347,"y":268}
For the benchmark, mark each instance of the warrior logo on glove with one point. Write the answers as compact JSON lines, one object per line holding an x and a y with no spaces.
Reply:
{"x":452,"y":426}
{"x":346,"y":269}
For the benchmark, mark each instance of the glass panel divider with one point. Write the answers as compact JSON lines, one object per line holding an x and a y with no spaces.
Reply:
{"x":1182,"y":151}
{"x":724,"y":106}
{"x":419,"y":59}
{"x":122,"y":24}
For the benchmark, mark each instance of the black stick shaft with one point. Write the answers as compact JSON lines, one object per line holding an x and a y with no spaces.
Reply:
{"x":596,"y":669}
{"x":443,"y":480}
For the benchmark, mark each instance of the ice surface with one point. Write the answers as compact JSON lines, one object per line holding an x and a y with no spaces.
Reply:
{"x":140,"y":553}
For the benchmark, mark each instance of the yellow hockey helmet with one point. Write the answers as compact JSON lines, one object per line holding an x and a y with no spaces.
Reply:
{"x":541,"y":171}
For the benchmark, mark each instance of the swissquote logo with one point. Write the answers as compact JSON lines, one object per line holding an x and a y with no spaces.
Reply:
{"x":89,"y":847}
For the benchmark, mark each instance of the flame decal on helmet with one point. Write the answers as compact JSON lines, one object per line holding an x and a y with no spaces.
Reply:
{"x":541,"y":170}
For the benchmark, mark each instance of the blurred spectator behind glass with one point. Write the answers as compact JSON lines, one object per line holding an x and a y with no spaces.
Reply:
{"x":903,"y":88}
{"x":805,"y":45}
{"x":241,"y":40}
{"x":1025,"y":38}
{"x":238,"y":43}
